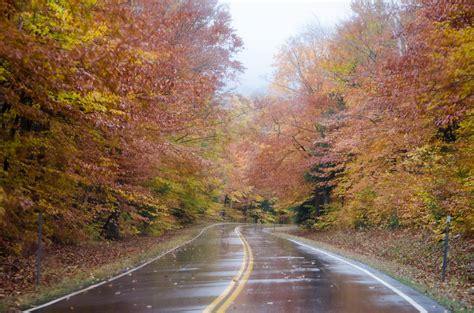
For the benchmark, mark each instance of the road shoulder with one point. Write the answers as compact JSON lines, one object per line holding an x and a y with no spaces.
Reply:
{"x":81,"y":279}
{"x":407,"y":287}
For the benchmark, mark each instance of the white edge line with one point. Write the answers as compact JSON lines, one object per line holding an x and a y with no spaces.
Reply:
{"x":122,"y":274}
{"x":383,"y":282}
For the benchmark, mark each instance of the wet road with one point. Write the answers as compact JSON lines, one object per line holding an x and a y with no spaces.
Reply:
{"x":291,"y":278}
{"x":248,"y":271}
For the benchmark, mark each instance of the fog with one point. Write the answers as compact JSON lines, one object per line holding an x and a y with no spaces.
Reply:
{"x":265,"y":25}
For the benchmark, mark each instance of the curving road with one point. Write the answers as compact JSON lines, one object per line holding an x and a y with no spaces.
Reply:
{"x":248,"y":269}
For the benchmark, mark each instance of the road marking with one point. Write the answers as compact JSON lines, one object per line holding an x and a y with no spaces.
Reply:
{"x":243,"y":281}
{"x":123,"y":274}
{"x":222,"y":303}
{"x":383,"y":282}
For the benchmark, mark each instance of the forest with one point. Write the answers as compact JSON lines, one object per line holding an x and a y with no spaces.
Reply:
{"x":111,"y":116}
{"x":370,"y":125}
{"x":116,"y":121}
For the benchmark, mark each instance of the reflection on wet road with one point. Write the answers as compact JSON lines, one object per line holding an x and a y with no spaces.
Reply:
{"x":290,"y":278}
{"x":282,"y":277}
{"x":185,"y":281}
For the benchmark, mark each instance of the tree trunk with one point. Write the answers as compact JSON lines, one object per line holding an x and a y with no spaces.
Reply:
{"x":111,"y":229}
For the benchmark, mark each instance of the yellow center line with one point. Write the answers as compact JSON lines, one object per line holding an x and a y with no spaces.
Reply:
{"x":222,"y":303}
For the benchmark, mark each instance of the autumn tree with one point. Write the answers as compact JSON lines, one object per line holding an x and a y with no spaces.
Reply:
{"x":105,"y":106}
{"x":380,"y":111}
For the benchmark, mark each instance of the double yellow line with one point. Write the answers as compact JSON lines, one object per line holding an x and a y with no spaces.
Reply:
{"x":222,"y":303}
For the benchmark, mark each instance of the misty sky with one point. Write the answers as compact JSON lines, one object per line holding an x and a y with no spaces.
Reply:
{"x":265,"y":25}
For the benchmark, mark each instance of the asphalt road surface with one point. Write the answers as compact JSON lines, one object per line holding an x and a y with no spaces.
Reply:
{"x":232,"y":268}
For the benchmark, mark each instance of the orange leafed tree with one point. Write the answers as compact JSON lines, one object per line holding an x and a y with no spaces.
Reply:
{"x":380,"y":112}
{"x":99,"y":100}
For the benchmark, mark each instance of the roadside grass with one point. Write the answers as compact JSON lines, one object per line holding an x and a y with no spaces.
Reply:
{"x":78,"y":278}
{"x":401,"y":271}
